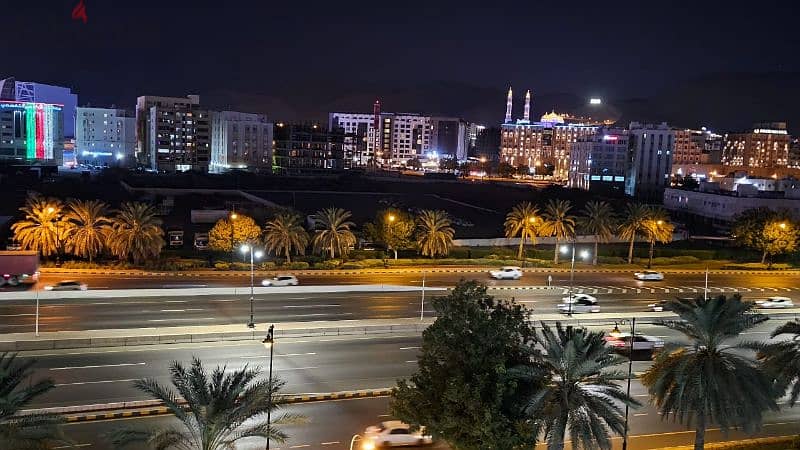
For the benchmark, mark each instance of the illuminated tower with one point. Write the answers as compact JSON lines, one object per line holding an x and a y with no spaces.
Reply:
{"x":527,"y":117}
{"x":376,"y":125}
{"x":509,"y":102}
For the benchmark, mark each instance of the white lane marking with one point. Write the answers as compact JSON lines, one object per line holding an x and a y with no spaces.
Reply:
{"x":73,"y":446}
{"x":300,"y":446}
{"x":322,"y":314}
{"x":411,"y":362}
{"x":177,"y":301}
{"x":640,"y":414}
{"x":17,"y":315}
{"x":99,"y":366}
{"x":284,"y":354}
{"x":298,"y":298}
{"x":297,"y":368}
{"x":755,"y":332}
{"x":409,"y":348}
{"x":330,"y":443}
{"x":224,"y":300}
{"x":311,"y":306}
{"x":181,"y":318}
{"x":80,"y":383}
{"x":182,"y":310}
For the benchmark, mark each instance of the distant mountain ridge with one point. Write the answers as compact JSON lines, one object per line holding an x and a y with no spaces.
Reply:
{"x":722,"y":102}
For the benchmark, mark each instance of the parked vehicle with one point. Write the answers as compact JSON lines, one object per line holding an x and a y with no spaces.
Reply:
{"x":394,"y":433}
{"x":18,"y":267}
{"x":649,"y":275}
{"x":281,"y":280}
{"x":506,"y":273}
{"x":67,"y":285}
{"x":579,"y":306}
{"x":775,"y":303}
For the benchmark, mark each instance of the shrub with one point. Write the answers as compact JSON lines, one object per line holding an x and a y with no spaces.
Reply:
{"x":756,"y":266}
{"x":326,"y":265}
{"x":770,"y":443}
{"x":351,"y":265}
{"x":266,"y":265}
{"x":219,"y":265}
{"x":297,"y":265}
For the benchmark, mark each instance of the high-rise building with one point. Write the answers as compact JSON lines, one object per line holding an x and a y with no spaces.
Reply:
{"x":449,"y":137}
{"x":31,"y":132}
{"x":240,"y":141}
{"x":32,"y":92}
{"x":794,"y":153}
{"x":105,"y":136}
{"x":650,"y":160}
{"x":688,"y":149}
{"x":309,"y":149}
{"x":487,"y":143}
{"x":601,"y":158}
{"x":143,"y":125}
{"x":766,"y":146}
{"x":179,"y":138}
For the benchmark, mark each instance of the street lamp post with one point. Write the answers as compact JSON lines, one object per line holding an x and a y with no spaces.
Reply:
{"x":584,"y":254}
{"x":52,"y":210}
{"x":37,"y":305}
{"x":422,"y":302}
{"x":616,"y":331}
{"x":269,"y":342}
{"x":233,"y":216}
{"x":253,"y":254}
{"x":391,"y":219}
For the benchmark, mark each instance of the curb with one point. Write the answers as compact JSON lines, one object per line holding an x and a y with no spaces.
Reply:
{"x":163,"y":410}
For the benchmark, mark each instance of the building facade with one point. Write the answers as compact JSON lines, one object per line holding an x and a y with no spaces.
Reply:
{"x":309,"y":149}
{"x":105,"y":136}
{"x":144,"y":152}
{"x":601,"y":158}
{"x":31,"y":132}
{"x":240,"y":141}
{"x":449,"y":137}
{"x":649,"y":160}
{"x":180,"y":138}
{"x":766,"y":146}
{"x":32,"y":92}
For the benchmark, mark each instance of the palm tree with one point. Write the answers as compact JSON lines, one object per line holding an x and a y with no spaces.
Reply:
{"x":333,"y":231}
{"x":782,"y":359}
{"x":598,"y":220}
{"x":578,"y":388}
{"x":522,"y":221}
{"x":89,"y":227}
{"x":710,"y":380}
{"x":135,"y":232}
{"x":633,"y":224}
{"x":220,"y":409}
{"x":24,"y":431}
{"x":657,"y":228}
{"x":435,"y":235}
{"x":558,"y":222}
{"x":285,"y":233}
{"x":44,"y":228}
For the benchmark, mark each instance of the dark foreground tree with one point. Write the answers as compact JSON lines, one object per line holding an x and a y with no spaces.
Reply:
{"x":710,"y":380}
{"x":28,"y":431}
{"x":781,"y":359}
{"x":580,"y":389}
{"x":221,"y":409}
{"x":463,"y":391}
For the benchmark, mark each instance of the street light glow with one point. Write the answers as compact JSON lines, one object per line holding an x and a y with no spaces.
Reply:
{"x":234,"y":216}
{"x":783,"y":225}
{"x":245,"y":248}
{"x":564,"y":249}
{"x":258,"y":254}
{"x":391,"y":217}
{"x":51,"y":209}
{"x":585,"y":254}
{"x":532,"y":220}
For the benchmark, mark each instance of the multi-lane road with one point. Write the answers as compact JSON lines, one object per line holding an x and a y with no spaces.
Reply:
{"x":313,"y":365}
{"x":318,"y":365}
{"x":617,"y":292}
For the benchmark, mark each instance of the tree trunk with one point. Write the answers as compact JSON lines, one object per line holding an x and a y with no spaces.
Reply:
{"x":700,"y":433}
{"x":395,"y":253}
{"x":521,"y":243}
{"x":332,"y":250}
{"x":288,"y":255}
{"x":650,"y":261}
{"x":596,"y":246}
{"x":555,"y":257}
{"x":764,"y":257}
{"x":630,"y":250}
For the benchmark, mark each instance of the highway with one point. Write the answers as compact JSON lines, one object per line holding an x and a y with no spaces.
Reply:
{"x":313,"y":365}
{"x":616,"y":292}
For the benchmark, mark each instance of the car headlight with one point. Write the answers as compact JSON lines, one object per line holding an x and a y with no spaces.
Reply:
{"x":368,"y":445}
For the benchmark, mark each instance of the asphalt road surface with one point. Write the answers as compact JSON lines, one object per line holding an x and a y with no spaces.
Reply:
{"x":615,"y":292}
{"x":319,"y":365}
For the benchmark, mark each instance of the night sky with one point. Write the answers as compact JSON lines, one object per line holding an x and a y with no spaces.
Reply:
{"x":290,"y":53}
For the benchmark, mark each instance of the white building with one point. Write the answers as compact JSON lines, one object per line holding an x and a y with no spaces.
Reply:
{"x":105,"y":136}
{"x":144,"y":153}
{"x":651,"y":148}
{"x":240,"y":141}
{"x":601,"y":158}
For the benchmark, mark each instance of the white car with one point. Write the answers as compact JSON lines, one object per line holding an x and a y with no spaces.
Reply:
{"x":281,"y":280}
{"x":649,"y":275}
{"x":576,"y":297}
{"x":69,"y":285}
{"x":621,"y":342}
{"x":393,"y":433}
{"x":775,"y":303}
{"x":582,"y":305}
{"x":506,"y":273}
